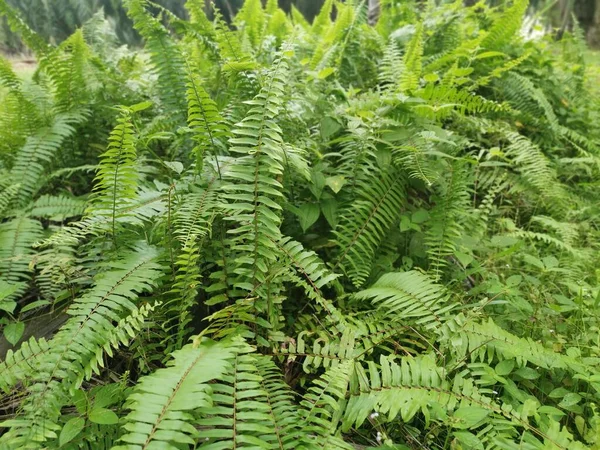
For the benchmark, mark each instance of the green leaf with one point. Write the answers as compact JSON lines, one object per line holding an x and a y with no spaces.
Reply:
{"x":14,"y":331}
{"x":514,"y":280}
{"x":7,"y":289}
{"x":464,"y":259}
{"x":503,"y":241}
{"x":505,"y":367}
{"x":580,"y":424}
{"x":336,"y":183}
{"x":140,"y":106}
{"x":317,"y":185}
{"x":107,"y":395}
{"x":325,"y":72}
{"x":419,"y":216}
{"x":468,"y":440}
{"x":571,"y":399}
{"x":469,"y":416}
{"x":8,"y":305}
{"x":405,"y":223}
{"x":34,"y":305}
{"x":175,"y":166}
{"x":71,"y":430}
{"x":527,"y":373}
{"x":329,"y":126}
{"x":329,"y":209}
{"x":550,"y":262}
{"x":551,"y":411}
{"x":559,"y":392}
{"x":529,"y":259}
{"x":103,"y":416}
{"x":80,"y":401}
{"x":308,"y":213}
{"x":431,"y":77}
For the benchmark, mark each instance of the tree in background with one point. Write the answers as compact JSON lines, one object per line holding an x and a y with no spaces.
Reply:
{"x":55,"y":21}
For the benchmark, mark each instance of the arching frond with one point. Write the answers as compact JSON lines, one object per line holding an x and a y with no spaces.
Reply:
{"x":364,"y":224}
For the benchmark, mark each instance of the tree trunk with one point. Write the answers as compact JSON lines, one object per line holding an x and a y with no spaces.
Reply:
{"x":373,"y":11}
{"x":593,"y":34}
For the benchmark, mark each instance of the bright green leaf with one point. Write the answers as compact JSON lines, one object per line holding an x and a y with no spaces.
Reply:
{"x":71,"y":430}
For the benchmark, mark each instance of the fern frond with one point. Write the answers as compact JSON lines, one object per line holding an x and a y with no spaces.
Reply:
{"x":527,"y":98}
{"x":116,"y":178}
{"x":283,"y":412}
{"x":147,"y":204}
{"x":415,"y":156}
{"x":193,"y":215}
{"x":67,"y":66}
{"x":204,"y":119}
{"x":442,"y":100}
{"x":313,"y":273}
{"x":76,"y":352}
{"x":445,"y":229}
{"x":364,"y":334}
{"x":165,"y":56}
{"x":323,"y":20}
{"x":485,"y":341}
{"x":534,"y":168}
{"x":505,"y":28}
{"x":546,"y":239}
{"x":33,"y":40}
{"x":322,"y":406}
{"x":183,"y":293}
{"x":17,"y":237}
{"x":21,"y":364}
{"x":391,"y":65}
{"x":568,"y":232}
{"x":56,"y":208}
{"x":6,"y":197}
{"x":32,"y":159}
{"x":411,"y":74}
{"x":251,"y":19}
{"x":253,"y":190}
{"x":245,"y":413}
{"x":163,"y":402}
{"x":418,"y":385}
{"x":411,"y":297}
{"x":364,"y":225}
{"x":235,"y":58}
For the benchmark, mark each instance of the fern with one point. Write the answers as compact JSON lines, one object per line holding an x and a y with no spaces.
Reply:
{"x":56,"y":208}
{"x":409,"y":295}
{"x":77,"y":350}
{"x":321,"y":406}
{"x":253,"y":191}
{"x":363,"y":227}
{"x":116,"y":179}
{"x":38,"y":151}
{"x":205,"y":121}
{"x":184,"y":293}
{"x":161,"y":412}
{"x":17,"y":237}
{"x":166,"y":58}
{"x":409,"y":79}
{"x":445,"y":228}
{"x":21,"y":364}
{"x":506,"y":26}
{"x":327,"y":235}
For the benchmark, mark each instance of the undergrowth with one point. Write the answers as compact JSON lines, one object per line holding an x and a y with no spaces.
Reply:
{"x":290,"y":235}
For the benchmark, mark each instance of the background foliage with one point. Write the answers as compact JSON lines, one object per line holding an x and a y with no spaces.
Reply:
{"x":292,"y":235}
{"x":55,"y":21}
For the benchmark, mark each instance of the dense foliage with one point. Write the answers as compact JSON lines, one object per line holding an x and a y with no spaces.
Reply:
{"x":293,"y":235}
